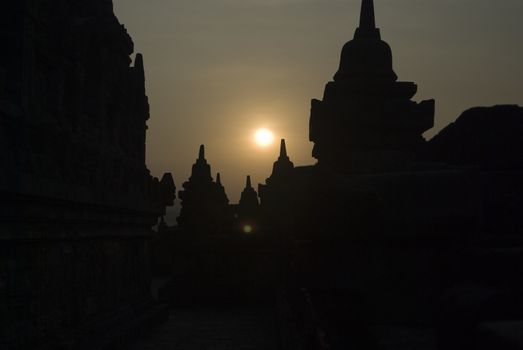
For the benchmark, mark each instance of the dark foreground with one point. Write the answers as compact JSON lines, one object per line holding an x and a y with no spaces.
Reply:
{"x":241,"y":328}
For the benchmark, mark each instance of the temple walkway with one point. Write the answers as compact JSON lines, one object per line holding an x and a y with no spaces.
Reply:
{"x":216,"y":329}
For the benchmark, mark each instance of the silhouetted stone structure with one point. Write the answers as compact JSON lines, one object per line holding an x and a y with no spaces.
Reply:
{"x":221,"y":189}
{"x":485,"y":137}
{"x":220,"y":256}
{"x":205,"y":206}
{"x":277,"y":184}
{"x":367,"y":121}
{"x":248,"y":210}
{"x":76,"y":198}
{"x":393,"y":242}
{"x":389,"y":242}
{"x":277,"y":194}
{"x":283,"y":168}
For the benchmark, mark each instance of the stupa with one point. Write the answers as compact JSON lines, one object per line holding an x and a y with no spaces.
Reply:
{"x":205,"y":207}
{"x":367,"y":121}
{"x":249,"y":204}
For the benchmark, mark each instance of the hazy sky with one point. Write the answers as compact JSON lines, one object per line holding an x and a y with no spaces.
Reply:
{"x":218,"y":69}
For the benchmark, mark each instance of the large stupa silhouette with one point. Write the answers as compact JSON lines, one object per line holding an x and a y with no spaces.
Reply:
{"x":367,"y":121}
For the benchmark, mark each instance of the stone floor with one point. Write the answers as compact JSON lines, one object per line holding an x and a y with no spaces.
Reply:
{"x":216,"y":329}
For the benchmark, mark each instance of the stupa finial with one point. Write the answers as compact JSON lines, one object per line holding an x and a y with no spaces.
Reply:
{"x":367,"y":18}
{"x":283,"y":149}
{"x":367,"y":28}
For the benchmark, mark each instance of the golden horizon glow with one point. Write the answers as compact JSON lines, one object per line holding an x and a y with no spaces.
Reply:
{"x":263,"y":137}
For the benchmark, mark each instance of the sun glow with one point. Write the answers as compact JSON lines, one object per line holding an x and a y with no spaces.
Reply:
{"x":263,"y":137}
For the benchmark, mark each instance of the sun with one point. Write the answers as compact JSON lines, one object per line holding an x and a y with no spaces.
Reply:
{"x":263,"y":137}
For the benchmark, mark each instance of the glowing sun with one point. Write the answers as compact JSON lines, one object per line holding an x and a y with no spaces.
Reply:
{"x":263,"y":137}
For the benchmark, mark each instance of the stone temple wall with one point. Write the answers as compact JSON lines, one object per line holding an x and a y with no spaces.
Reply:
{"x":76,"y":199}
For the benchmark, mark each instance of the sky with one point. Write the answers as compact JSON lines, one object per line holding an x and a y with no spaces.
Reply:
{"x":216,"y":70}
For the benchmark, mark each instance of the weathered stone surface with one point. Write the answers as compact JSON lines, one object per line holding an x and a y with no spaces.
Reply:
{"x":76,"y":199}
